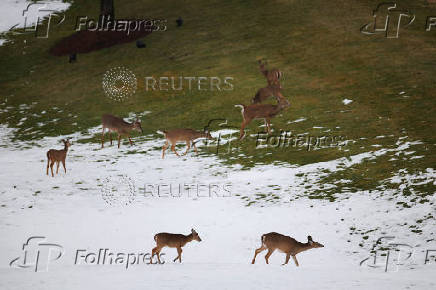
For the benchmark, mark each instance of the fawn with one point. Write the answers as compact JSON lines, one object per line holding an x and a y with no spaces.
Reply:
{"x":285,"y":244}
{"x":57,"y":156}
{"x":260,"y":111}
{"x":272,"y":76}
{"x":186,"y":135}
{"x":173,"y":241}
{"x":115,"y":124}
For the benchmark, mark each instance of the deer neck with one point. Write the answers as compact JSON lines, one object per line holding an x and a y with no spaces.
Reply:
{"x":65,"y":148}
{"x":188,"y":238}
{"x":303,"y":247}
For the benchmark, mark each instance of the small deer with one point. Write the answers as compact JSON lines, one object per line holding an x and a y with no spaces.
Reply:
{"x":272,"y":76}
{"x":285,"y":244}
{"x":260,"y":111}
{"x":115,"y":124}
{"x":173,"y":241}
{"x":57,"y":156}
{"x":267,"y":92}
{"x":183,"y":135}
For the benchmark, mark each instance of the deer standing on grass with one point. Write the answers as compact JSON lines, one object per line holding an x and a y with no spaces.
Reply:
{"x":261,"y":111}
{"x":118,"y":125}
{"x":183,"y":135}
{"x":267,"y":92}
{"x":272,"y":76}
{"x":57,"y":156}
{"x":285,"y":244}
{"x":173,"y":241}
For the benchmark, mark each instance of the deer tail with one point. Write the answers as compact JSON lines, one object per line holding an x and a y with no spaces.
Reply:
{"x":263,"y":239}
{"x":155,"y":238}
{"x":161,"y":132}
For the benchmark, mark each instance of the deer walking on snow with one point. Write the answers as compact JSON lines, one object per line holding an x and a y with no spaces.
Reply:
{"x":183,"y":135}
{"x":118,"y":125}
{"x":57,"y":156}
{"x":289,"y":246}
{"x":177,"y":241}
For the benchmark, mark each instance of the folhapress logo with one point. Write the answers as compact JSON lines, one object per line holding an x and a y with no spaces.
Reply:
{"x":37,"y":254}
{"x":388,"y":19}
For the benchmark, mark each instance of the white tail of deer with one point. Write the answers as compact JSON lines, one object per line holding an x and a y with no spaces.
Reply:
{"x":261,"y":111}
{"x":289,"y":246}
{"x":57,"y":156}
{"x":177,"y":241}
{"x":118,"y":125}
{"x":182,"y":135}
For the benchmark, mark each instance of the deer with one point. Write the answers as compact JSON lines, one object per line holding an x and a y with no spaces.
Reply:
{"x":267,"y":92}
{"x":272,"y":76}
{"x":285,"y":244}
{"x":57,"y":156}
{"x":118,"y":125}
{"x":261,"y":111}
{"x":177,"y":241}
{"x":183,"y":135}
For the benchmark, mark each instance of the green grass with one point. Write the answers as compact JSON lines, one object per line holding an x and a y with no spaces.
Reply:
{"x":317,"y":44}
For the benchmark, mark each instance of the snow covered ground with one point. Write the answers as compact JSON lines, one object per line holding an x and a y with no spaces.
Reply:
{"x":70,"y":210}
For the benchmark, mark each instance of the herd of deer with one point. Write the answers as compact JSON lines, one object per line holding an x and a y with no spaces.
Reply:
{"x":256,"y":110}
{"x":271,"y":241}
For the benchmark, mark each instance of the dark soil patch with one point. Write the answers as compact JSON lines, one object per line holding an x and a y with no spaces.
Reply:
{"x":86,"y":41}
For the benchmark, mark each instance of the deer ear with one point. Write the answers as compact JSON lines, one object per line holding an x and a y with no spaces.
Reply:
{"x":309,"y":238}
{"x":193,"y":231}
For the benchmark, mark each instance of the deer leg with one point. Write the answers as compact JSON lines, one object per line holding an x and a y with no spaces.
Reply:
{"x":295,"y":260}
{"x":48,"y":164}
{"x":268,"y":125}
{"x":257,"y":251}
{"x":164,"y":148}
{"x":57,"y":167}
{"x":173,"y":148}
{"x":63,"y":163}
{"x":179,"y":256}
{"x":130,"y":140}
{"x":156,"y":251}
{"x":110,"y":136}
{"x":188,"y":145}
{"x":102,"y":138}
{"x":242,"y":132}
{"x":287,"y":258}
{"x":51,"y":167}
{"x":270,"y":251}
{"x":119,"y":140}
{"x":195,"y":148}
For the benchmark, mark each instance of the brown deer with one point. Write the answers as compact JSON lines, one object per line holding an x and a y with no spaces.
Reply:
{"x":118,"y":125}
{"x":57,"y":156}
{"x":173,"y":241}
{"x":272,"y":76}
{"x":183,"y":135}
{"x":261,"y":111}
{"x":267,"y":92}
{"x":285,"y":244}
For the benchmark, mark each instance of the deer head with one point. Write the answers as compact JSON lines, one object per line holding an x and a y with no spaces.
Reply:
{"x":195,"y":235}
{"x":314,"y":244}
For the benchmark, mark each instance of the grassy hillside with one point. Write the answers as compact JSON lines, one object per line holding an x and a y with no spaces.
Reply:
{"x":317,"y":44}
